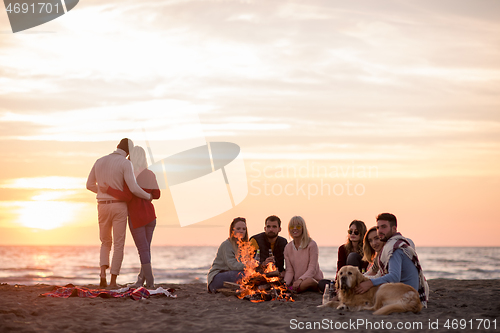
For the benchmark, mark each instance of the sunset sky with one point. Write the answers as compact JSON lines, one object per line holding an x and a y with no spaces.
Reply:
{"x":342,"y":110}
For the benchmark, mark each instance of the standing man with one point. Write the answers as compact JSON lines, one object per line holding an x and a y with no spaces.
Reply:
{"x":113,"y":169}
{"x":269,"y":240}
{"x":398,"y":261}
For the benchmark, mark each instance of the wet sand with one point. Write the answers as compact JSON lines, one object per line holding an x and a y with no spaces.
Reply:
{"x":195,"y":310}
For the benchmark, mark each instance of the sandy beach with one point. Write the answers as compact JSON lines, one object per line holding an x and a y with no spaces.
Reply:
{"x":474,"y":304}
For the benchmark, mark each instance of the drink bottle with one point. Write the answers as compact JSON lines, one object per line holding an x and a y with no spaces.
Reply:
{"x":271,"y":254}
{"x":332,"y":289}
{"x":326,"y":294}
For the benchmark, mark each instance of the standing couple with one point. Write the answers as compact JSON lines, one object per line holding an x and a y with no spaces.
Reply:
{"x":124,"y":187}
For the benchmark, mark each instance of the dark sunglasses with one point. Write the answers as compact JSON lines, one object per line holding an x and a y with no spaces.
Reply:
{"x":351,"y":232}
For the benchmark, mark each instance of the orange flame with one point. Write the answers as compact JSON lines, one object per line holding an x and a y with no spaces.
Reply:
{"x":251,"y":278}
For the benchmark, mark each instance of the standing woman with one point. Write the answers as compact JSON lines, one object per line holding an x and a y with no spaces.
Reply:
{"x":351,"y":253}
{"x":301,"y":258}
{"x":227,"y":265}
{"x":142,"y":217}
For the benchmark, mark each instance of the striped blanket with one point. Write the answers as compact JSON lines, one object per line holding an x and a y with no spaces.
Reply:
{"x":397,"y":241}
{"x":72,"y":291}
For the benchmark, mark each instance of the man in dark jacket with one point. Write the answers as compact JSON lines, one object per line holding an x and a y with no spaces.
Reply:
{"x":269,"y":240}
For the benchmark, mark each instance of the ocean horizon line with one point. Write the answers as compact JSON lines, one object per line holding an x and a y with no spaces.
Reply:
{"x":56,"y":264}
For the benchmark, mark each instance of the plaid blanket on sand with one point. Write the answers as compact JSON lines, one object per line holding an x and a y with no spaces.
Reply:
{"x":72,"y":291}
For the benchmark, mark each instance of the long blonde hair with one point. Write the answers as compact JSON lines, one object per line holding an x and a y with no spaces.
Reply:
{"x":138,"y":159}
{"x":299,"y":220}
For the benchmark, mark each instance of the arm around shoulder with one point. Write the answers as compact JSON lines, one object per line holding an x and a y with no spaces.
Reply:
{"x":128,"y":176}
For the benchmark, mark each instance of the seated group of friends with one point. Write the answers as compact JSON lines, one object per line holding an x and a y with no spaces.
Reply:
{"x":381,"y":253}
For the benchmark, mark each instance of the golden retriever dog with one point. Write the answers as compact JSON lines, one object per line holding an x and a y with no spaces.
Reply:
{"x":384,"y":299}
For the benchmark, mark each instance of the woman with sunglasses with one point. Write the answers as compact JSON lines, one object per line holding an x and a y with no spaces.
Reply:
{"x":227,"y":265}
{"x":351,"y":253}
{"x":301,"y":258}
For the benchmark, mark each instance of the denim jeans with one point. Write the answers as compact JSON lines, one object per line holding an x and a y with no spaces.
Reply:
{"x":142,"y":239}
{"x":220,"y":278}
{"x":354,"y":259}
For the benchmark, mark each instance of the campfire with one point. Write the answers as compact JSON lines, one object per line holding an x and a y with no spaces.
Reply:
{"x":257,"y":286}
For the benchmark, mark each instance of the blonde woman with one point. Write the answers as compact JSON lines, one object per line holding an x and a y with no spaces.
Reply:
{"x":301,"y":258}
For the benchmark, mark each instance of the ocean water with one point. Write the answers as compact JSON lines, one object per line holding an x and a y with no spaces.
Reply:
{"x":79,"y":265}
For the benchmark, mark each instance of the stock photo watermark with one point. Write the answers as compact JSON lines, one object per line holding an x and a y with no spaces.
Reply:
{"x":366,"y":324}
{"x":210,"y":176}
{"x":310,"y":180}
{"x":27,"y":14}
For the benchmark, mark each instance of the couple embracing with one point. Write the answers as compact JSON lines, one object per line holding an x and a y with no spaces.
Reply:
{"x":124,"y":188}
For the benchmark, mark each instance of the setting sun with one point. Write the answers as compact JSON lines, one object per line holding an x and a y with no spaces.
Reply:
{"x":48,"y":205}
{"x":52,"y":182}
{"x":46,"y":214}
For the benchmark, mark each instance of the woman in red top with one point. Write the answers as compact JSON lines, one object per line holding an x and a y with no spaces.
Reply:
{"x":351,"y":253}
{"x":142,"y":218}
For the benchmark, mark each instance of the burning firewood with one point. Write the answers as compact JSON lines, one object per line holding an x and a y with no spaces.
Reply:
{"x":258,"y":286}
{"x":259,"y":297}
{"x":272,"y":274}
{"x":266,"y":286}
{"x":256,"y":279}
